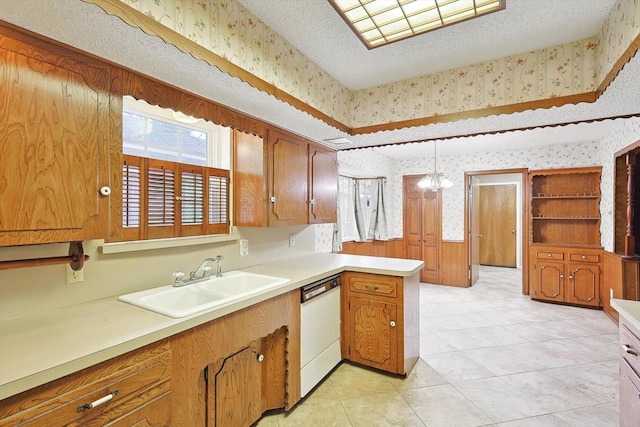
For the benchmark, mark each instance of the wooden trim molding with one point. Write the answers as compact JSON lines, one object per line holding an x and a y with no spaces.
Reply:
{"x":147,"y":24}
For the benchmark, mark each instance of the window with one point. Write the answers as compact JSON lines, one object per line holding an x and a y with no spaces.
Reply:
{"x":346,"y":190}
{"x":169,"y":187}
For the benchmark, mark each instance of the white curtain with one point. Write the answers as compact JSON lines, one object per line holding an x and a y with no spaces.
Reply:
{"x":336,"y":242}
{"x":359,"y":214}
{"x":378,"y":229}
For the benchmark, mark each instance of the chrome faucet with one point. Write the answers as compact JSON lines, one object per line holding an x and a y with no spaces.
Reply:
{"x":202,"y":269}
{"x":218,"y":260}
{"x":201,"y":274}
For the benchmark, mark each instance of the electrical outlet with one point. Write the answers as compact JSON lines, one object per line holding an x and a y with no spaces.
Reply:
{"x":244,"y":247}
{"x":292,"y":240}
{"x":73,"y":276}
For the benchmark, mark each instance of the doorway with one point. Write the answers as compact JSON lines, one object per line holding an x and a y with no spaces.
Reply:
{"x":498,"y":224}
{"x":499,"y":239}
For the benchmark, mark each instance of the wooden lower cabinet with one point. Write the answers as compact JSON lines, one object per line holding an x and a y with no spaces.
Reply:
{"x":566,"y":275}
{"x":629,"y":374}
{"x":138,"y":384}
{"x":242,"y":386}
{"x":229,"y":371}
{"x":374,"y":338}
{"x":380,"y":326}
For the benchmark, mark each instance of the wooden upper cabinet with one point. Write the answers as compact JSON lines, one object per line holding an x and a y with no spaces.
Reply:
{"x":288,"y":192}
{"x":250,"y":180}
{"x":275,"y":181}
{"x":323,"y":185}
{"x":56,"y":144}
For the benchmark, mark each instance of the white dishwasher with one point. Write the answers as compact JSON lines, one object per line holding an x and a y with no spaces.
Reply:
{"x":319,"y":331}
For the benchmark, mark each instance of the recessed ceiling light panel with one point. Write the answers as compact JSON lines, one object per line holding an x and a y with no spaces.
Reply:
{"x":378,"y":22}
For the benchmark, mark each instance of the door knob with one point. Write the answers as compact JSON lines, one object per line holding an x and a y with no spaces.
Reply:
{"x":479,"y":235}
{"x":513,"y":231}
{"x":392,"y":324}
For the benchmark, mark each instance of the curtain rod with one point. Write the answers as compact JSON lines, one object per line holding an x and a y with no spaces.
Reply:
{"x":361,"y":178}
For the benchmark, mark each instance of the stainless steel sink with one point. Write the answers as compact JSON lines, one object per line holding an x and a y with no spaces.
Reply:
{"x":217,"y":291}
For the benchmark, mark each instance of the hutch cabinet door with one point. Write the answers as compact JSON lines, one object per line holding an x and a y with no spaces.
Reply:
{"x":583,"y":284}
{"x":374,"y":333}
{"x":548,"y":283}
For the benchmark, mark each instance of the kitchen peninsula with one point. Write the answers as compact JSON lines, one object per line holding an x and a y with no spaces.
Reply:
{"x":43,"y":347}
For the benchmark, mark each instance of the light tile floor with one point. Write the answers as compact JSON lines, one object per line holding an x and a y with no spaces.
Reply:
{"x":489,"y":357}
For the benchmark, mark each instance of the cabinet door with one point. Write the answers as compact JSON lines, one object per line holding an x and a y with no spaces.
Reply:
{"x":250,"y":180}
{"x":235,"y":390}
{"x":629,"y":396}
{"x":323,"y":185}
{"x":583,"y":284}
{"x":287,"y":161}
{"x":548,"y":281}
{"x":54,"y":147}
{"x":373,"y":333}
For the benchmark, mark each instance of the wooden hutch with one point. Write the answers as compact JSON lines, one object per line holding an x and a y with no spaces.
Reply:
{"x":564,"y":245}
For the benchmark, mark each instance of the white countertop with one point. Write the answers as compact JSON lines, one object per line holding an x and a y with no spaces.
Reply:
{"x":628,"y":309}
{"x":39,"y":348}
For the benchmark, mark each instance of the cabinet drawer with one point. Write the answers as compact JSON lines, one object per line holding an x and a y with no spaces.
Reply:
{"x":373,"y":284}
{"x":630,"y":347}
{"x":116,"y":388}
{"x":549,"y":255}
{"x":584,"y":257}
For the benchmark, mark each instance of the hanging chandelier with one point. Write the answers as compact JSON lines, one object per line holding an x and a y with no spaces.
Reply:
{"x":435,"y":180}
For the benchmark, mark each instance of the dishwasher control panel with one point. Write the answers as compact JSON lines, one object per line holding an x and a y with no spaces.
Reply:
{"x":314,"y":289}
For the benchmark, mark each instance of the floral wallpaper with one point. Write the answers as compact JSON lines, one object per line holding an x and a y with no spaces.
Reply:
{"x":627,"y":133}
{"x":228,"y":29}
{"x":619,"y":30}
{"x":547,"y":73}
{"x":324,"y":237}
{"x":454,"y":167}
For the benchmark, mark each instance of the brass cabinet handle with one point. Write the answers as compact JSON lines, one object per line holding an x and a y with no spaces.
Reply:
{"x":98,"y":402}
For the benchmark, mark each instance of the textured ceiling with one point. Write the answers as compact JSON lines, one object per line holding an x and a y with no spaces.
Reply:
{"x":88,"y":28}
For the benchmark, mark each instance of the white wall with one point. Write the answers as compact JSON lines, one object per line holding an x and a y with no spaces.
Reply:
{"x":454,"y":167}
{"x":31,"y":290}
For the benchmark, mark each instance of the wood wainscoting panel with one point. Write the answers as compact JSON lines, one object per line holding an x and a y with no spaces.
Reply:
{"x":613,"y":273}
{"x":453,"y":263}
{"x":384,"y":248}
